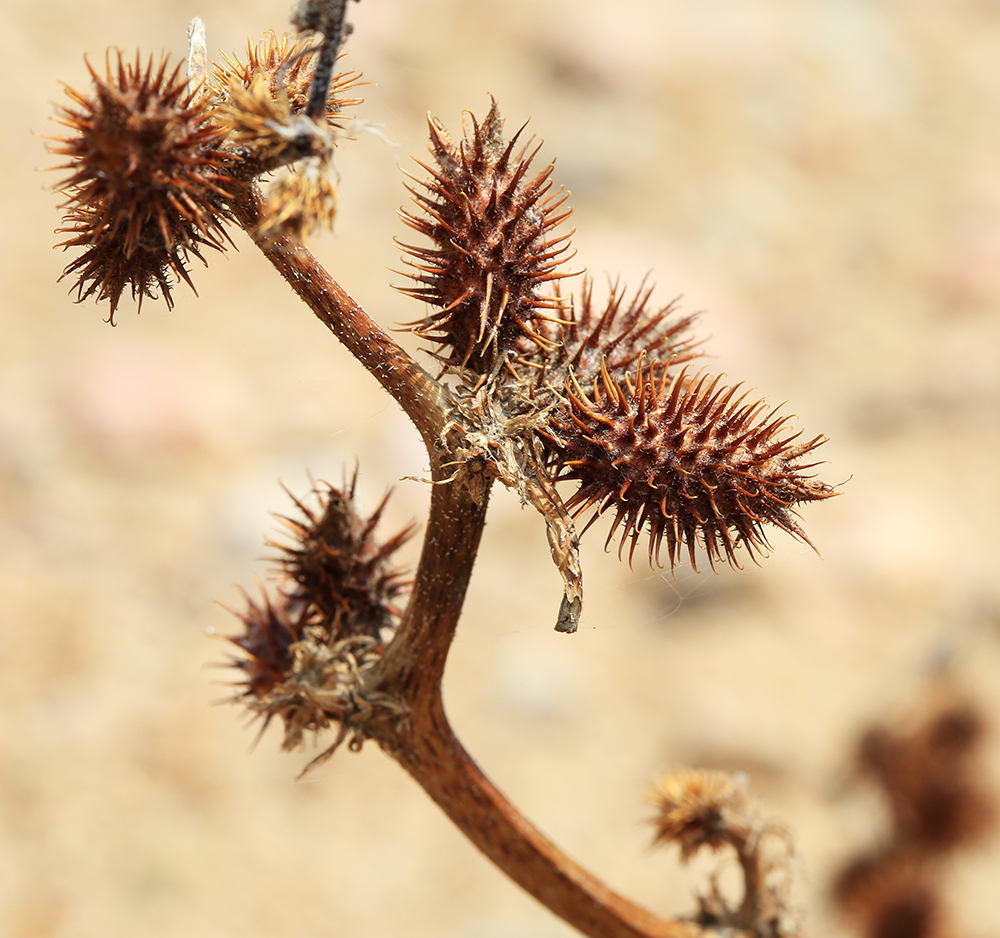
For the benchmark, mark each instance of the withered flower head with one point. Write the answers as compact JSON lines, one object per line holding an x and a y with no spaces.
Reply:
{"x":261,"y":107}
{"x":698,"y":809}
{"x":492,"y":230}
{"x":146,"y":183}
{"x":286,"y":66}
{"x":685,"y":458}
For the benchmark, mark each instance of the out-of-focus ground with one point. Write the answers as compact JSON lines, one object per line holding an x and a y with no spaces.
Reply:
{"x":823,"y":178}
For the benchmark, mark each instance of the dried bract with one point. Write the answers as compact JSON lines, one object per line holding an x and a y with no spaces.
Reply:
{"x":494,"y":247}
{"x":263,"y":130}
{"x":147,"y":181}
{"x":302,"y":201}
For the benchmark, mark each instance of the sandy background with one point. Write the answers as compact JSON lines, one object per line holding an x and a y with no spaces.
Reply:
{"x":822,"y":177}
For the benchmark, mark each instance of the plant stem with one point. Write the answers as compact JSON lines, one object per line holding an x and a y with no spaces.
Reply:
{"x":436,"y":759}
{"x":413,"y":665}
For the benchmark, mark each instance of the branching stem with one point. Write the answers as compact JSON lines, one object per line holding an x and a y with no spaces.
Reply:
{"x":412,"y":668}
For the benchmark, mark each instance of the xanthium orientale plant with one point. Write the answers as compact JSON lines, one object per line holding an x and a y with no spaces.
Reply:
{"x":531,"y":385}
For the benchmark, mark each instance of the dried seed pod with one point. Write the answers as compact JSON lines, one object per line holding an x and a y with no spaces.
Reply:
{"x":684,"y":458}
{"x":147,"y":182}
{"x":493,"y":245}
{"x":309,"y":651}
{"x":617,"y":334}
{"x":339,"y":570}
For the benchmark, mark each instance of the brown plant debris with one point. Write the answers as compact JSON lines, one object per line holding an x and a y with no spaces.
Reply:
{"x":147,"y":181}
{"x":491,"y":434}
{"x":493,"y":245}
{"x":684,"y":457}
{"x":938,"y":802}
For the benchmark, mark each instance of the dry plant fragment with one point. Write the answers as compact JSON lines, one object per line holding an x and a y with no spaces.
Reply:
{"x":148,"y":181}
{"x":698,"y":809}
{"x":287,"y":67}
{"x":492,"y":433}
{"x":494,"y":248}
{"x":261,"y":105}
{"x":892,"y":897}
{"x":685,"y":458}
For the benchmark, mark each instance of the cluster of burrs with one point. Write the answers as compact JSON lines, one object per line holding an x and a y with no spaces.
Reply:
{"x":547,"y":387}
{"x":156,"y":157}
{"x":309,"y":647}
{"x":569,"y":388}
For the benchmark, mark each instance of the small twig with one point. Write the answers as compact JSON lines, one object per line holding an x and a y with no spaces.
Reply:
{"x":197,"y":63}
{"x":329,"y":18}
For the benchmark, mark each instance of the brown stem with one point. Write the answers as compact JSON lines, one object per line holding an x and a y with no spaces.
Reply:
{"x":424,"y":400}
{"x":433,"y":755}
{"x":413,"y":665}
{"x":428,"y":749}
